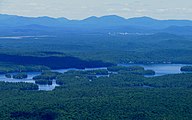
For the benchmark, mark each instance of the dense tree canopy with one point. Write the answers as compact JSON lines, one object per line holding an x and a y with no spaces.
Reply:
{"x":186,"y":68}
{"x":125,"y":95}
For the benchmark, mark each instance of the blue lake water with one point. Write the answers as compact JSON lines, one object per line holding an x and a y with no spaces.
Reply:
{"x":29,"y":79}
{"x":160,"y":69}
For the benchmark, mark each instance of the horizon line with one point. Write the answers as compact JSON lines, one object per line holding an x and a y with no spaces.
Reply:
{"x":91,"y":16}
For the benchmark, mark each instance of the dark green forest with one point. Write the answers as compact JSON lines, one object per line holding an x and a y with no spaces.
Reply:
{"x":124,"y":95}
{"x":86,"y":50}
{"x":186,"y":68}
{"x":119,"y":93}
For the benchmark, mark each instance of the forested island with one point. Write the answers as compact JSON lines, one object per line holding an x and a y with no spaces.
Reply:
{"x":20,"y":76}
{"x":118,"y":93}
{"x":95,"y":84}
{"x":186,"y":68}
{"x":91,"y":97}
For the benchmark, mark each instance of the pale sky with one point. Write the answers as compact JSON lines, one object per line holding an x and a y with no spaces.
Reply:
{"x":80,"y":9}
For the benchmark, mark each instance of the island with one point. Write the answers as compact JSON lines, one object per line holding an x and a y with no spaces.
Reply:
{"x":186,"y":69}
{"x":20,"y":76}
{"x":8,"y":75}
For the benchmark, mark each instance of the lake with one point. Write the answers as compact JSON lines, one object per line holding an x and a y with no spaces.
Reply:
{"x":29,"y":79}
{"x":160,"y":69}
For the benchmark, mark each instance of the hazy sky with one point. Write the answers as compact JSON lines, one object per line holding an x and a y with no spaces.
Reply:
{"x":79,"y":9}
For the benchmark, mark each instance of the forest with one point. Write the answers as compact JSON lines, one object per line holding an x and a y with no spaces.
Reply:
{"x":186,"y":68}
{"x":124,"y":94}
{"x":113,"y":93}
{"x":98,"y":50}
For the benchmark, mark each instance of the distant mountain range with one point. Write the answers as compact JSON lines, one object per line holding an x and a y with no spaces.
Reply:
{"x":13,"y":24}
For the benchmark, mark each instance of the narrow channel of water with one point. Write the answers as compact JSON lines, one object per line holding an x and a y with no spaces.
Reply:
{"x":160,"y":69}
{"x":29,"y":79}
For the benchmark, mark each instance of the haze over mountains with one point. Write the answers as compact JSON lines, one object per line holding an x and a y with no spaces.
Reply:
{"x":12,"y":24}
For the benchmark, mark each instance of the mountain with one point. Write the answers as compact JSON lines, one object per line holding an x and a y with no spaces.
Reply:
{"x":14,"y":21}
{"x":104,"y":24}
{"x":111,"y":20}
{"x":158,"y":24}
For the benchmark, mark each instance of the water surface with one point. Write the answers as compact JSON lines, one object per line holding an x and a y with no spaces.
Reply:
{"x":29,"y":79}
{"x":161,"y":69}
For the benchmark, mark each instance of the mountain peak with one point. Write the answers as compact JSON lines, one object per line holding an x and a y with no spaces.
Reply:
{"x":45,"y":17}
{"x":108,"y":21}
{"x":112,"y":17}
{"x":141,"y":18}
{"x":91,"y":18}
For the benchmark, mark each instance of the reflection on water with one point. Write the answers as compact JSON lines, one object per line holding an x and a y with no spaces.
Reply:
{"x":29,"y":79}
{"x":160,"y":69}
{"x":48,"y":87}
